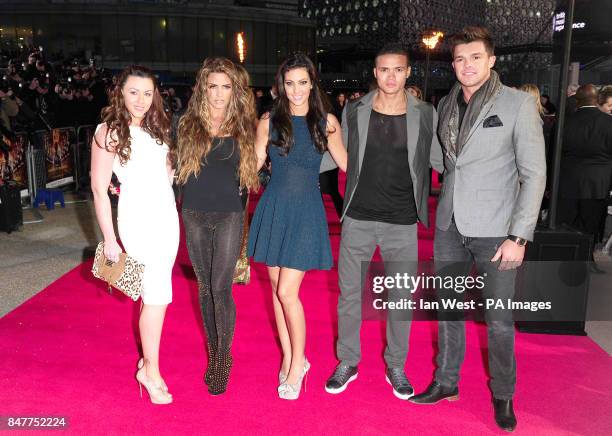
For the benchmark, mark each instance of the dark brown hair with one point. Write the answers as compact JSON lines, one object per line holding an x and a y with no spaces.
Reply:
{"x":417,"y":90}
{"x":117,"y":118}
{"x":471,"y":34}
{"x":318,"y":107}
{"x":393,"y":48}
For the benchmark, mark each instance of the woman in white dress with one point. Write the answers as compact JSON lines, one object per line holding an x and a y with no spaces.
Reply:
{"x":132,"y":142}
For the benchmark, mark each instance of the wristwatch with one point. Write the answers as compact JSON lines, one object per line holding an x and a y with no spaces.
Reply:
{"x":519,"y":241}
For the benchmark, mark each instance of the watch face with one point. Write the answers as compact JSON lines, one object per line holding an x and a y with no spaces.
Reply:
{"x":519,"y":241}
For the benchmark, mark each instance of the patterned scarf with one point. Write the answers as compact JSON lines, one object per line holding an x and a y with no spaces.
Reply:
{"x":453,"y":138}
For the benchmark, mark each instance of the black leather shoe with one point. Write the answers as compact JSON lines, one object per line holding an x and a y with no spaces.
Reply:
{"x":435,"y":393}
{"x":340,"y":379}
{"x":504,"y":414}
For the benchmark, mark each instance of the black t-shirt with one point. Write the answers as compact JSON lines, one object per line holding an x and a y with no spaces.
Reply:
{"x":384,"y":192}
{"x":217,"y":187}
{"x":462,"y":107}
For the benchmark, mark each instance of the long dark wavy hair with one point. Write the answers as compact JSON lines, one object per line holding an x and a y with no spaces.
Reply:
{"x":318,"y":107}
{"x":117,"y":118}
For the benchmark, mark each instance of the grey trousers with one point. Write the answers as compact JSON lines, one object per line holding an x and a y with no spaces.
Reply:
{"x":359,"y":240}
{"x":455,"y":255}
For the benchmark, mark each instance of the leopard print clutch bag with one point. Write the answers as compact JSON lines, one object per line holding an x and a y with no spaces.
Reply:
{"x":125,"y":275}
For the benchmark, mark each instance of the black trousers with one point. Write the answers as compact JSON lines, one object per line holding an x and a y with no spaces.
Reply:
{"x":586,"y":215}
{"x":328,"y":183}
{"x":213,"y":242}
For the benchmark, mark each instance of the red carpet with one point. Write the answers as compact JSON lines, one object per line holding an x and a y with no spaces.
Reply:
{"x":71,"y":350}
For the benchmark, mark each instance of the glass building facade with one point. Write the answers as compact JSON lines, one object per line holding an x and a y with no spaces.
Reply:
{"x":167,"y":37}
{"x":355,"y":29}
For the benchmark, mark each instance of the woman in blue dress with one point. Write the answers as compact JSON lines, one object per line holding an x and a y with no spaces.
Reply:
{"x":289,"y":229}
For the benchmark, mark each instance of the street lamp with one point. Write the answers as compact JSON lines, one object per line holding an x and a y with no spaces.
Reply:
{"x":430,"y":43}
{"x":241,"y":46}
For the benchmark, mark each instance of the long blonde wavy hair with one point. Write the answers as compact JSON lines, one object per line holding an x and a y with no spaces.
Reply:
{"x":195,"y":126}
{"x":533,"y":90}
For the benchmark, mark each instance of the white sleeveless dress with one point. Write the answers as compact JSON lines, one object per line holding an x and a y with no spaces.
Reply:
{"x":147,"y":217}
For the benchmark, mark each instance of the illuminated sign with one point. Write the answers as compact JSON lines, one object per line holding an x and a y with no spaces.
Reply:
{"x":559,"y":23}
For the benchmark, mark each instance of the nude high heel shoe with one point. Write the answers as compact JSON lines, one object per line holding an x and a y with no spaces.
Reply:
{"x":288,"y":391}
{"x":141,"y":365}
{"x":156,"y":389}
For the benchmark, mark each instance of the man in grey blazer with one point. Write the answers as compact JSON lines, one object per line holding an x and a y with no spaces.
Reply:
{"x":391,"y":141}
{"x":488,"y":208}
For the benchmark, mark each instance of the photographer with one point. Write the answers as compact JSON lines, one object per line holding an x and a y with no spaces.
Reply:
{"x":30,"y":98}
{"x":66,"y":109}
{"x":13,"y":73}
{"x":8,"y":107}
{"x":87,"y":108}
{"x":172,"y":103}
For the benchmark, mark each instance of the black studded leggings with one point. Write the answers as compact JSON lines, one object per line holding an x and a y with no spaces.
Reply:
{"x":213,"y":242}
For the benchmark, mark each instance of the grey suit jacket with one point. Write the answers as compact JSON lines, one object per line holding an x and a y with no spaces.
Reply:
{"x":494,"y":187}
{"x":423,"y":147}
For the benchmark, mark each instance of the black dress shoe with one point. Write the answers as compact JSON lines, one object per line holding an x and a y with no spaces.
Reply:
{"x":436,"y":393}
{"x":504,"y":414}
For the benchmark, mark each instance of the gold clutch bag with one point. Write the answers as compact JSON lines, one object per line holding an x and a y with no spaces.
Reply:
{"x":125,"y":275}
{"x":242,"y":272}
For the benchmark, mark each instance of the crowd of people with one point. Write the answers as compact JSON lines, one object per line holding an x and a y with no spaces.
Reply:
{"x":40,"y":94}
{"x":486,"y":138}
{"x":44,"y":95}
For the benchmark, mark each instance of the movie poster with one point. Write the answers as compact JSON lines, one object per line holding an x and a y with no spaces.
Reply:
{"x":13,"y":160}
{"x":60,"y":169}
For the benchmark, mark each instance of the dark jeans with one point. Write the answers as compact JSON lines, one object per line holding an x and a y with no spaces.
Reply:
{"x":213,"y":242}
{"x":454,"y":255}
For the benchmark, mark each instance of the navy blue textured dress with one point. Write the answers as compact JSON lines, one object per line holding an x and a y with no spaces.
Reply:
{"x":289,"y":228}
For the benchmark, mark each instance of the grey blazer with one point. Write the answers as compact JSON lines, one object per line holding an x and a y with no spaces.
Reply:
{"x":494,"y":187}
{"x":423,"y":147}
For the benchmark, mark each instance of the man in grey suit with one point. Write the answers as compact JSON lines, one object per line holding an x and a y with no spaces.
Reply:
{"x":488,"y":208}
{"x":391,"y":141}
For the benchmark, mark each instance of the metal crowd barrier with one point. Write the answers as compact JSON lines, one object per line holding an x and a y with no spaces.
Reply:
{"x":59,"y":146}
{"x":53,"y":159}
{"x":84,"y":136}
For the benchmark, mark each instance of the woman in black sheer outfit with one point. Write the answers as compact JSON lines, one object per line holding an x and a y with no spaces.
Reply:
{"x":217,"y":166}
